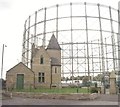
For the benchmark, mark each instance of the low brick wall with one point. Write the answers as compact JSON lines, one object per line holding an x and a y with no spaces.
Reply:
{"x":72,"y":96}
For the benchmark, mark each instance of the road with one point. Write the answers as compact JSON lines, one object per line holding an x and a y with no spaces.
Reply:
{"x":101,"y":100}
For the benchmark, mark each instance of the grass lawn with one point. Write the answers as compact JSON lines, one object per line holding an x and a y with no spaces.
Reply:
{"x":56,"y":90}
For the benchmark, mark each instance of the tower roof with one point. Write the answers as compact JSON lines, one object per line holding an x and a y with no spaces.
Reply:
{"x":53,"y":44}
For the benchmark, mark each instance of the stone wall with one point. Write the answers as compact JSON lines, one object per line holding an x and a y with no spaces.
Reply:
{"x":47,"y":68}
{"x":44,"y":68}
{"x":72,"y":96}
{"x":11,"y":76}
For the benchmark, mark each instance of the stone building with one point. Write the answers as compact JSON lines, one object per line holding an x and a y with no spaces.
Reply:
{"x":19,"y":76}
{"x":45,"y":68}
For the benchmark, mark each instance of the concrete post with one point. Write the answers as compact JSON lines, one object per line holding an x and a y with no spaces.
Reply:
{"x":113,"y":83}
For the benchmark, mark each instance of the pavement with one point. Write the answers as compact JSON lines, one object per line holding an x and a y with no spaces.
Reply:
{"x":101,"y":100}
{"x":107,"y":97}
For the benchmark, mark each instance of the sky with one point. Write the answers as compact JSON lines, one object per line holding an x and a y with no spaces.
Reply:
{"x":13,"y":14}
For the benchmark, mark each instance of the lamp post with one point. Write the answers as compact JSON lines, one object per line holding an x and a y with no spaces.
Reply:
{"x":2,"y":59}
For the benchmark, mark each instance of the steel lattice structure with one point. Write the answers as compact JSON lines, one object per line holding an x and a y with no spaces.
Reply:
{"x":87,"y":33}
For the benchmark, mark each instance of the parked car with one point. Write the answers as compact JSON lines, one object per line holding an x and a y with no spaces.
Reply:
{"x":64,"y":85}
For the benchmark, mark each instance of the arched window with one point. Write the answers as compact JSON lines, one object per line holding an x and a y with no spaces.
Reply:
{"x":41,"y":60}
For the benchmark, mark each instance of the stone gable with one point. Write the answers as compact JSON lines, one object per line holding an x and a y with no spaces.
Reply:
{"x":20,"y":68}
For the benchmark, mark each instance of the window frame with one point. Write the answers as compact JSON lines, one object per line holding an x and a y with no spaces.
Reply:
{"x":41,"y":77}
{"x":41,"y":60}
{"x":55,"y":70}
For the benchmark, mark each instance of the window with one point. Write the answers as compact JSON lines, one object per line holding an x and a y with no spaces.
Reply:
{"x":55,"y":70}
{"x":41,"y":59}
{"x":41,"y":77}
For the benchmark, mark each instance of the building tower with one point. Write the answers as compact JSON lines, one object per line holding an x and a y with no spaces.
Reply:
{"x":46,"y":64}
{"x":54,"y":52}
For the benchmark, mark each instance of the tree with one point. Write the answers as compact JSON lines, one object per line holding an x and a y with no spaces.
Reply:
{"x":99,"y":77}
{"x":72,"y":77}
{"x":85,"y":79}
{"x":62,"y":78}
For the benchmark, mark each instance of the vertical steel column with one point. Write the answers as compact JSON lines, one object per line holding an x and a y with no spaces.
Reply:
{"x":106,"y":56}
{"x":32,"y":39}
{"x":118,"y":38}
{"x":71,"y":41}
{"x":44,"y":34}
{"x":99,"y":58}
{"x":102,"y":49}
{"x":85,"y":58}
{"x":28,"y":41}
{"x":32,"y":45}
{"x":62,"y":61}
{"x":37,"y":40}
{"x":87,"y":41}
{"x":77,"y":61}
{"x":99,"y":55}
{"x":24,"y":42}
{"x":35,"y":27}
{"x":92,"y":59}
{"x":112,"y":39}
{"x":57,"y":22}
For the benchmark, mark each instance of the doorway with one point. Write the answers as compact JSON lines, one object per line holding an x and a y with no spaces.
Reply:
{"x":20,"y":81}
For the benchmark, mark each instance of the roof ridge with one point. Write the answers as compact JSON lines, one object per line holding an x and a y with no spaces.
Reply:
{"x":18,"y":65}
{"x":53,"y":43}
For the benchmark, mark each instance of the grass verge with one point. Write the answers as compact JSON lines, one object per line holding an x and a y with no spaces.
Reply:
{"x":55,"y":90}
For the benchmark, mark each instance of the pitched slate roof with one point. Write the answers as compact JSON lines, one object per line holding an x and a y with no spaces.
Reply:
{"x":20,"y":63}
{"x":53,"y":44}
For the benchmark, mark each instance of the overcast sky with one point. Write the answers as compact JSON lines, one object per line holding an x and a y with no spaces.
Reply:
{"x":13,"y":14}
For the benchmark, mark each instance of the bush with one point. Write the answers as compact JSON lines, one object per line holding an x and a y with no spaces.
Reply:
{"x":93,"y":90}
{"x":95,"y":85}
{"x":87,"y":84}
